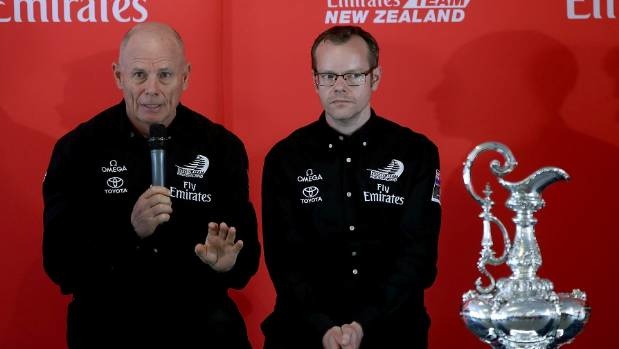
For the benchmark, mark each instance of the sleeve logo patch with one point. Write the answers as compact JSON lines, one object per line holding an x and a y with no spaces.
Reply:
{"x":436,"y":191}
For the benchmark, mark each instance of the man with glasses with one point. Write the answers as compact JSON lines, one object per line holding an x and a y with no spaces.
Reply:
{"x":351,"y":214}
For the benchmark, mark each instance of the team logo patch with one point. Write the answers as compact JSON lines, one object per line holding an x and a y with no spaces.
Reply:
{"x":114,"y":184}
{"x":310,"y":194}
{"x":309,"y":176}
{"x":383,"y":194}
{"x":389,"y":173}
{"x":195,"y":169}
{"x":113,"y":167}
{"x":436,"y":191}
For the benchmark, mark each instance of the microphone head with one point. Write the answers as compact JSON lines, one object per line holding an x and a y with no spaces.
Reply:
{"x":158,"y":136}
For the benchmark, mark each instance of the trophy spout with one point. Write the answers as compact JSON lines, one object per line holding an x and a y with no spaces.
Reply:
{"x":537,"y":181}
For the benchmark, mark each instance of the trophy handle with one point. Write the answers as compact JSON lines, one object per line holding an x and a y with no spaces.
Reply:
{"x":487,"y":254}
{"x":495,"y":166}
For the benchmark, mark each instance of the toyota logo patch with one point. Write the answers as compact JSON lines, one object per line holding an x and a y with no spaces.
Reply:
{"x":115,"y":182}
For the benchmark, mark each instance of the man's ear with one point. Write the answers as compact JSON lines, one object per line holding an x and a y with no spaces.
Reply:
{"x":186,"y":76}
{"x":116,"y":71}
{"x":376,"y":76}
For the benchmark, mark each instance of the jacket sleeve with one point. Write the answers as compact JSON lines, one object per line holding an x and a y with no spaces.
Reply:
{"x":415,"y":266}
{"x":237,"y":210}
{"x":284,"y":244}
{"x":78,"y":249}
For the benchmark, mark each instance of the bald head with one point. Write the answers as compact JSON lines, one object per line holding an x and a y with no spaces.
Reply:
{"x":154,"y":31}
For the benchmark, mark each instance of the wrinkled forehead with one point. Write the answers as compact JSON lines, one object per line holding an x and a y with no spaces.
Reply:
{"x":152,"y":46}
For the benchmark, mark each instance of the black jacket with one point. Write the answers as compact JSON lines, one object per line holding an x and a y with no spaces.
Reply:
{"x":156,"y":291}
{"x":351,"y":229}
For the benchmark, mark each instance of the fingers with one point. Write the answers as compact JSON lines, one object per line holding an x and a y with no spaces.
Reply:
{"x":351,"y":335}
{"x":345,"y":338}
{"x":156,"y":199}
{"x":231,"y":234}
{"x":219,"y":249}
{"x":332,"y":338}
{"x":200,"y":251}
{"x":158,"y":190}
{"x":218,"y":230}
{"x":152,"y":208}
{"x":222,"y":231}
{"x":349,"y":338}
{"x":160,"y":205}
{"x":213,"y":228}
{"x":237,"y":246}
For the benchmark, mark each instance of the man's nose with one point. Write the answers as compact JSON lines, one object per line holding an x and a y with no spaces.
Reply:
{"x":152,"y":85}
{"x":340,"y":83}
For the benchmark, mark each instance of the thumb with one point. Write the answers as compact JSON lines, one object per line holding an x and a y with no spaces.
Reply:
{"x":238,"y":246}
{"x":200,"y":249}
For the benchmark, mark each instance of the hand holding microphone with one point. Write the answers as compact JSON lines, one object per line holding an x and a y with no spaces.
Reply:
{"x":154,"y":205}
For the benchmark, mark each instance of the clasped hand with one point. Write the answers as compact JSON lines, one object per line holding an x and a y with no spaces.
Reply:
{"x":347,"y":336}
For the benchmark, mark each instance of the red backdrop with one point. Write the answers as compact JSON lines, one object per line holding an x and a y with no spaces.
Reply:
{"x":539,"y":76}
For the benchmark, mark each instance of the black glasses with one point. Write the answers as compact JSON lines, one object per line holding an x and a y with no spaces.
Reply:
{"x":351,"y":79}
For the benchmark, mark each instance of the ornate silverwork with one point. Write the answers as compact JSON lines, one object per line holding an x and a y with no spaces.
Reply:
{"x":521,"y":311}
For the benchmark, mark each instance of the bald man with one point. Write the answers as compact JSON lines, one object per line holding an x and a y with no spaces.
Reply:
{"x":150,"y":266}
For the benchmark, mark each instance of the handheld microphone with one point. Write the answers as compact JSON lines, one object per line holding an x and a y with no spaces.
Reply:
{"x":157,"y":143}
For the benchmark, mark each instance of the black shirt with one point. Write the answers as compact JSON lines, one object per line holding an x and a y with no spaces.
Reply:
{"x":154,"y":291}
{"x":350,"y":229}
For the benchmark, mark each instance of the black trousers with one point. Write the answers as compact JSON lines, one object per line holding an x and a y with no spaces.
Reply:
{"x":101,"y":325}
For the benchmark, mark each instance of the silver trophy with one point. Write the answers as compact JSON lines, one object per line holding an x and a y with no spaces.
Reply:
{"x":523,"y":310}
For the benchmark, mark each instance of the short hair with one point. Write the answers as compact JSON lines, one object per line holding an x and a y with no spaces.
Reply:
{"x":341,"y":35}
